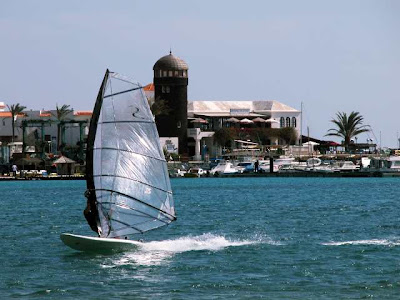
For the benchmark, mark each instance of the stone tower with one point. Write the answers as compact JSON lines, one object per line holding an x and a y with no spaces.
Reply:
{"x":170,"y":86}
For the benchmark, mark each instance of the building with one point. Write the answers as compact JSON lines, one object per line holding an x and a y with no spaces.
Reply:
{"x":206,"y":117}
{"x":38,"y":131}
{"x":195,"y":122}
{"x":170,"y":91}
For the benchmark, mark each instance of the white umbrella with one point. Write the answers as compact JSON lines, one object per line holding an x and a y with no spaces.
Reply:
{"x":199,"y":120}
{"x":271,"y":121}
{"x":233,"y":120}
{"x":259,"y":120}
{"x":246,"y":121}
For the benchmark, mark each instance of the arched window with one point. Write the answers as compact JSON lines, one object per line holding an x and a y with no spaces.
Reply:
{"x":282,"y":122}
{"x":287,"y":122}
{"x":294,"y":122}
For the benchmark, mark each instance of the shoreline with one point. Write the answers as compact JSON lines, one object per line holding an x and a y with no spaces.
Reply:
{"x":286,"y":174}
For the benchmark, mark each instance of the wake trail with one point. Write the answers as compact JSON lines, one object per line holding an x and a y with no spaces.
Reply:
{"x":379,"y":242}
{"x":158,"y":252}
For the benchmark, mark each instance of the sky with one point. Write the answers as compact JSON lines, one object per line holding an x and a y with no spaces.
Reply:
{"x":324,"y":56}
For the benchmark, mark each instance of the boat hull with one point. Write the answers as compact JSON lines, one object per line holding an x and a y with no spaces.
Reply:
{"x":98,"y":245}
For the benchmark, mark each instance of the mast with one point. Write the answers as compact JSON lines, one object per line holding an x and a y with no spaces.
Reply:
{"x":91,"y":212}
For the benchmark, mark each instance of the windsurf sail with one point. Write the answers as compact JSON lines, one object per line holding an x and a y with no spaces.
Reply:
{"x":128,"y":185}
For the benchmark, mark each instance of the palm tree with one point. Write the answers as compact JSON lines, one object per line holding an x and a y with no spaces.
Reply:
{"x":61,"y":113}
{"x":348,"y":126}
{"x":15,"y":109}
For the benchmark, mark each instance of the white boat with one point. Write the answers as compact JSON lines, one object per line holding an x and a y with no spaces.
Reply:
{"x":224,"y":168}
{"x":384,"y":164}
{"x":285,"y":163}
{"x":128,"y":188}
{"x":346,"y":166}
{"x":195,"y":172}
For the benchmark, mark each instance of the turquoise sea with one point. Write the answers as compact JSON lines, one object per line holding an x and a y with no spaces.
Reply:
{"x":236,"y":238}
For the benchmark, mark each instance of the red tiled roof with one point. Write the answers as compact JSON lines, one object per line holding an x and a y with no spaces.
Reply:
{"x":7,"y":114}
{"x":83,"y":113}
{"x":45,"y":114}
{"x":149,"y":88}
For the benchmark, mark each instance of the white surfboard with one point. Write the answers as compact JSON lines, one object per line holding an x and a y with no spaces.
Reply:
{"x":98,"y":245}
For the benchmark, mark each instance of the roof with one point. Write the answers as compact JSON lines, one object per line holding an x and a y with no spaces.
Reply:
{"x":7,"y":114}
{"x":170,"y":62}
{"x":83,"y":113}
{"x":63,"y":160}
{"x":258,"y":106}
{"x":4,"y":114}
{"x":44,"y":113}
{"x":227,"y":114}
{"x":149,"y":88}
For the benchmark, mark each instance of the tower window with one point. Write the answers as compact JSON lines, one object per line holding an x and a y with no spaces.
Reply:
{"x":287,"y":122}
{"x":282,"y":122}
{"x":176,"y":74}
{"x":164,"y":73}
{"x":294,"y":122}
{"x":169,"y":73}
{"x":184,"y":73}
{"x":165,"y":89}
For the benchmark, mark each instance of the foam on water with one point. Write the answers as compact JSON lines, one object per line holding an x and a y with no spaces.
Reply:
{"x":380,"y":242}
{"x":158,"y":252}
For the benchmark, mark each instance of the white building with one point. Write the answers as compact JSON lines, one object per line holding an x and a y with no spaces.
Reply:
{"x":213,"y":115}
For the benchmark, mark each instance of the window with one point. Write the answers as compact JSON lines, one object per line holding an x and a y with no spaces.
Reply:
{"x":169,"y":73}
{"x":164,"y":73}
{"x":165,"y":89}
{"x":282,"y":122}
{"x":176,"y":74}
{"x":179,"y":124}
{"x":184,"y":73}
{"x":294,"y":121}
{"x":287,"y":122}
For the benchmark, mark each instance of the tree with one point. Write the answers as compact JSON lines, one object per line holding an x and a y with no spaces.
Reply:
{"x":15,"y":109}
{"x":223,"y":136}
{"x":160,"y":107}
{"x":61,"y":113}
{"x":348,"y":126}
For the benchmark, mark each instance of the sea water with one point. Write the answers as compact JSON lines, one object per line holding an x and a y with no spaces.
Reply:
{"x":238,"y":238}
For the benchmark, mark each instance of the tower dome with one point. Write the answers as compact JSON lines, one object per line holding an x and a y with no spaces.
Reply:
{"x":170,"y":62}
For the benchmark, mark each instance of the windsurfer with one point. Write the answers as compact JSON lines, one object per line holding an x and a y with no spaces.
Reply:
{"x":89,"y":213}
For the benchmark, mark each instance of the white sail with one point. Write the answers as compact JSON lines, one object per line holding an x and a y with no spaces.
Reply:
{"x":133,"y":191}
